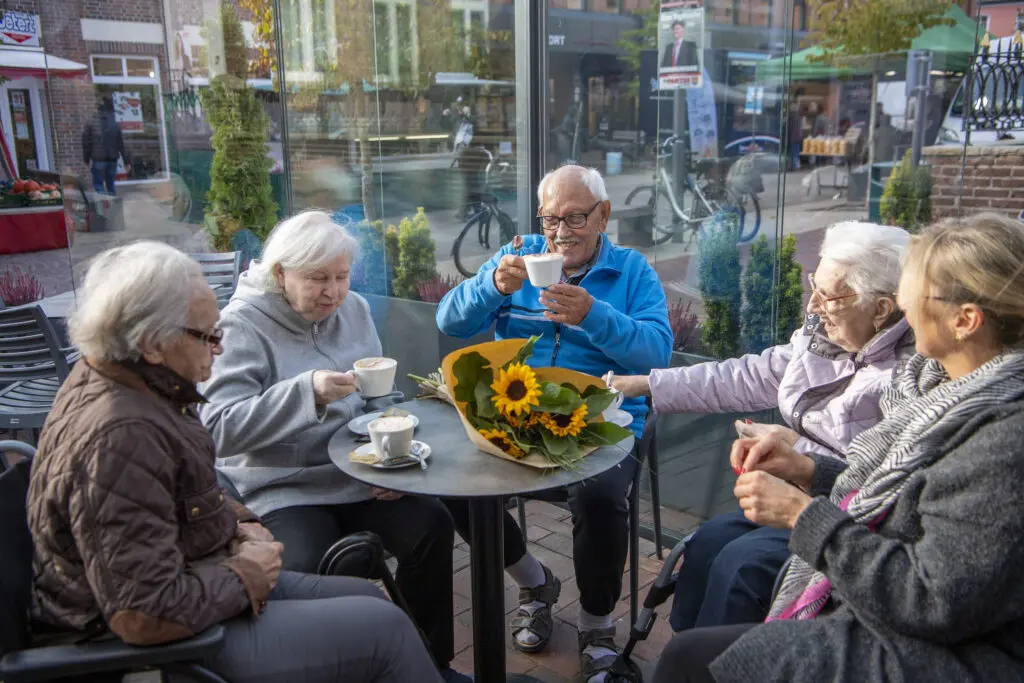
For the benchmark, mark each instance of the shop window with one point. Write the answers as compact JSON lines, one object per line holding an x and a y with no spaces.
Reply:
{"x":133,"y":86}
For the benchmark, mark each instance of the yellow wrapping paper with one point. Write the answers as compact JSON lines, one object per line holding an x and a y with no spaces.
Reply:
{"x":499,"y":353}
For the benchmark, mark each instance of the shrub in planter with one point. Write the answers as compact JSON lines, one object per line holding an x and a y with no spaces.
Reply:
{"x":240,"y":193}
{"x":685,"y":325}
{"x":18,"y":288}
{"x":417,"y":260}
{"x":434,"y":290}
{"x":907,"y":196}
{"x":719,"y":272}
{"x":378,"y":255}
{"x":760,"y":294}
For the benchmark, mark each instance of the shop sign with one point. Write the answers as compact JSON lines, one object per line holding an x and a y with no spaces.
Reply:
{"x":556,"y":40}
{"x":681,"y":45}
{"x":128,"y":111}
{"x":19,"y":28}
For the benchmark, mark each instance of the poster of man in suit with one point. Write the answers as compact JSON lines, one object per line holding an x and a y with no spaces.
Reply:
{"x":681,"y":44}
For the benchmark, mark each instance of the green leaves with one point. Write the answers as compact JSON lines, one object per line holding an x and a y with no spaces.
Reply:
{"x":557,"y":399}
{"x":473,"y":379}
{"x":524,"y":353}
{"x":598,"y":402}
{"x":603,"y":434}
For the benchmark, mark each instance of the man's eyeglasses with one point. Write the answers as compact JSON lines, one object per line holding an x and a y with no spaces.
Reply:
{"x":212,"y":338}
{"x":821,"y":298}
{"x":575,"y":221}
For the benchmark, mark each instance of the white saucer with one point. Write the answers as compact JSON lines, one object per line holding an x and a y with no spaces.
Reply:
{"x":358,"y":425}
{"x":619,"y":417}
{"x":367,"y":449}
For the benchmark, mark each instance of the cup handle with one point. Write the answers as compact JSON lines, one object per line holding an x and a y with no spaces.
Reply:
{"x":385,"y":446}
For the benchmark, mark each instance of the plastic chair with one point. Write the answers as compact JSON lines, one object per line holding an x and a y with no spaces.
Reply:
{"x":647,"y":451}
{"x":20,"y":663}
{"x":32,"y":367}
{"x":221,"y":271}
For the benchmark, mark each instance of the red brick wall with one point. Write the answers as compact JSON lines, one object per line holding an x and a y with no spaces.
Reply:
{"x":72,"y":100}
{"x":985,"y":178}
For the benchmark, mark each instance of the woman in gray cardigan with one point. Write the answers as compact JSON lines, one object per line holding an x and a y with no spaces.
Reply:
{"x":908,"y":562}
{"x":283,"y":386}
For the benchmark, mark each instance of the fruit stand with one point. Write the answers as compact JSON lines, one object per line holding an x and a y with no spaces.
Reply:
{"x":31,"y":217}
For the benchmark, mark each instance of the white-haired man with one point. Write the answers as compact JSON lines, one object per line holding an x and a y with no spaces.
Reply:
{"x":607,"y":313}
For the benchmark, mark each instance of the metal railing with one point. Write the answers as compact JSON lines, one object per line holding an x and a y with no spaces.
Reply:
{"x":997,"y":89}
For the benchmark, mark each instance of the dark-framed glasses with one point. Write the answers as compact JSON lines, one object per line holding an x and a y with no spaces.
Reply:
{"x":212,"y":338}
{"x":575,"y":221}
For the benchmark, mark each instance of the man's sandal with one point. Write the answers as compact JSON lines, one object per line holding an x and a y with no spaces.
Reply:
{"x":600,"y":637}
{"x":540,"y":622}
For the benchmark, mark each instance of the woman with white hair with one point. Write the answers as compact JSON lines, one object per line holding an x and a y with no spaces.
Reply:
{"x":826,"y":382}
{"x":133,"y":536}
{"x":284,"y":386}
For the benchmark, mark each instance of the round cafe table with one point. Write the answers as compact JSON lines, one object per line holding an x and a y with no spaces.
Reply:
{"x":457,"y":469}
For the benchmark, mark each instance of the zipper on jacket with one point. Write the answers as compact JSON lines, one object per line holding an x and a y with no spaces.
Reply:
{"x":315,"y":332}
{"x":558,"y":341}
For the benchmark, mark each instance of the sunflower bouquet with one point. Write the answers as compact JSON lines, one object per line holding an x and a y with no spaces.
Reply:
{"x":544,"y":417}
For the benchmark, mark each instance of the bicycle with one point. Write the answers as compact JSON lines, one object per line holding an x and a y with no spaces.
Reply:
{"x":712,"y":187}
{"x":484,"y":212}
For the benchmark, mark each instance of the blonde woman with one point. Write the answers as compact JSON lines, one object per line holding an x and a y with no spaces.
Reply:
{"x":908,"y":564}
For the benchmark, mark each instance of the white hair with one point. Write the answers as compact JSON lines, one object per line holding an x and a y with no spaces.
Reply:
{"x":305,"y":242}
{"x":590,"y":177}
{"x":136,"y":292}
{"x":870,"y":256}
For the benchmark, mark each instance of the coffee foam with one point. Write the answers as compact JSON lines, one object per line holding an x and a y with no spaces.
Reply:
{"x":367,"y":363}
{"x":394,"y":423}
{"x":543,"y":258}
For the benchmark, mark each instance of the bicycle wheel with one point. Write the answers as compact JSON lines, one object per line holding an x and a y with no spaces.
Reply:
{"x":665,"y":223}
{"x":750,"y":217}
{"x":745,"y":207}
{"x":469,"y":255}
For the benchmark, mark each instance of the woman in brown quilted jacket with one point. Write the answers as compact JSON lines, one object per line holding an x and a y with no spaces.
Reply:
{"x":133,"y":535}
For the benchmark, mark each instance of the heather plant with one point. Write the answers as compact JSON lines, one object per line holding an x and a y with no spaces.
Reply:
{"x":18,"y":288}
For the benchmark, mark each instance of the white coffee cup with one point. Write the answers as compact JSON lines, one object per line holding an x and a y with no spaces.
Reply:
{"x":544,"y":269}
{"x":391,"y":436}
{"x":375,"y":376}
{"x":616,"y":404}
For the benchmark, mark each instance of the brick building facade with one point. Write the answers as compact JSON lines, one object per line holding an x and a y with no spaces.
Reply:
{"x":79,"y":30}
{"x":977,"y":179}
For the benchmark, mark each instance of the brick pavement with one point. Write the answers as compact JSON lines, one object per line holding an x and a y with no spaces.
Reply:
{"x":549,"y":532}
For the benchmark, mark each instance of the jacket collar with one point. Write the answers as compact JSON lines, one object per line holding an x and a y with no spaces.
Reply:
{"x":889,"y":342}
{"x":143,"y":376}
{"x":273,"y":305}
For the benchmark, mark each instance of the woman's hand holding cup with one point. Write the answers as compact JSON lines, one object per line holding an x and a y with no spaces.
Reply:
{"x":330,"y":386}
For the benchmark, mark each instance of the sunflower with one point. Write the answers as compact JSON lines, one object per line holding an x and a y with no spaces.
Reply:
{"x":515,"y":390}
{"x":501,"y":440}
{"x":531,"y":419}
{"x":565,"y":425}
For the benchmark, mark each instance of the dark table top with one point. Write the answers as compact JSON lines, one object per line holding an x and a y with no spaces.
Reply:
{"x":457,"y":469}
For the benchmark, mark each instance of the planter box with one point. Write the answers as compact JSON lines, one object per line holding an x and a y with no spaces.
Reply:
{"x":693,"y":452}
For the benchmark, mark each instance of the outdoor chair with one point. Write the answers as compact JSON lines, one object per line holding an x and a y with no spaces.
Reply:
{"x":221,"y":271}
{"x":647,"y":451}
{"x":32,"y":367}
{"x":20,"y":663}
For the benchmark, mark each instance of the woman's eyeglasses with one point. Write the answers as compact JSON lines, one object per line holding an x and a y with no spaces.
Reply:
{"x":816,"y":294}
{"x":575,"y":221}
{"x":212,"y":338}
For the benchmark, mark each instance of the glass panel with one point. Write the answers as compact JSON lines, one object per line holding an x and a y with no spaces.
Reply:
{"x":108,"y":66}
{"x":140,"y":68}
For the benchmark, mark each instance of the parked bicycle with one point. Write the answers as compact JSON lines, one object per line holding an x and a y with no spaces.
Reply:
{"x":484,"y":215}
{"x":710,"y":187}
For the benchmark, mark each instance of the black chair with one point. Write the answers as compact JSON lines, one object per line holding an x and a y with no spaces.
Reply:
{"x":20,"y":663}
{"x":647,"y":451}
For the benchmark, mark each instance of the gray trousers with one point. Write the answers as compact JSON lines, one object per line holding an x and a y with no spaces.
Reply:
{"x":324,"y":629}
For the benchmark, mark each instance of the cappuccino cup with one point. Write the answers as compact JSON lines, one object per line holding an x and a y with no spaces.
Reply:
{"x":616,"y":404}
{"x":375,"y":376}
{"x":391,"y":437}
{"x":544,"y":270}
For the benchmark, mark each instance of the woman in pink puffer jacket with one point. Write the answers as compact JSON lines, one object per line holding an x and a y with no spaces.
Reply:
{"x":826,"y":383}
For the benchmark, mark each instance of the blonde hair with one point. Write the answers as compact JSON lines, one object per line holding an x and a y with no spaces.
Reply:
{"x":979,"y":260}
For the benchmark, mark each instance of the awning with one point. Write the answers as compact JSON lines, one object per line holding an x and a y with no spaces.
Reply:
{"x":952,"y":46}
{"x":18,"y":63}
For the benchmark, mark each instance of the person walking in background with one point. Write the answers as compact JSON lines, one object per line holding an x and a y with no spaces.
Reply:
{"x":102,"y":144}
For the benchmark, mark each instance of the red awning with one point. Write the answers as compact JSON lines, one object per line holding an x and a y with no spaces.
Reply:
{"x":18,"y":63}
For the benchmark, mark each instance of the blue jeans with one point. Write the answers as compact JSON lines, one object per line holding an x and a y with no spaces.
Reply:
{"x":728,"y":573}
{"x":794,"y":153}
{"x":103,"y":174}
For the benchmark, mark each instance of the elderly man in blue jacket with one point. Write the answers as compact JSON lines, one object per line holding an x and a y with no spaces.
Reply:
{"x":607,"y":313}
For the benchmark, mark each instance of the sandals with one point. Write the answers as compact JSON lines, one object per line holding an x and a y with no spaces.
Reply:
{"x":601,"y":637}
{"x":540,"y":622}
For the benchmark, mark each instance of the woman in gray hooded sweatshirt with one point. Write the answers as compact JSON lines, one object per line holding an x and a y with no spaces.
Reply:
{"x":284,"y":386}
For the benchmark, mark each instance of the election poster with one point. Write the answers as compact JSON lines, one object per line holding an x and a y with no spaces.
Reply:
{"x":128,"y":111}
{"x":681,"y":45}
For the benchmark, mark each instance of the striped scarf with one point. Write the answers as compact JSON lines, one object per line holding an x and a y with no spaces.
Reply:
{"x":922,"y":411}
